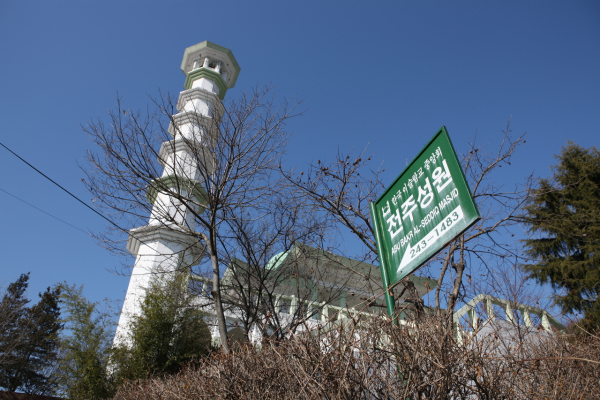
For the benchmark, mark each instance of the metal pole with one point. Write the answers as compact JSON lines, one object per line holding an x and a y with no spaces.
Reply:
{"x":389,"y":297}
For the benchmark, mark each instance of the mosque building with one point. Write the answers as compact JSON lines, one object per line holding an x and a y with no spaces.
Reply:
{"x":307,"y":284}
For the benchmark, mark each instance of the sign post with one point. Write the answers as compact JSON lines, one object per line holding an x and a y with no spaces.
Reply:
{"x":427,"y":206}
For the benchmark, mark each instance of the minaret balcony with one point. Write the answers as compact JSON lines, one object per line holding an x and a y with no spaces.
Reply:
{"x":191,"y":126}
{"x":178,"y":186}
{"x":151,"y":238}
{"x":202,"y":102}
{"x":180,"y":157}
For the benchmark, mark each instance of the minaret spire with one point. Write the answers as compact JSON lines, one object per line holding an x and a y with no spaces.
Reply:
{"x":165,"y":244}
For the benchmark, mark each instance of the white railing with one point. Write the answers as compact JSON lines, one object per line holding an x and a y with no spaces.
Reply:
{"x":547,"y":321}
{"x":328,"y":312}
{"x":206,"y":284}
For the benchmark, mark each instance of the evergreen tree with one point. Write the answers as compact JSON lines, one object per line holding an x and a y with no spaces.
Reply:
{"x":563,"y":218}
{"x":12,"y":334}
{"x":167,"y":335}
{"x":28,"y":339}
{"x":86,"y":343}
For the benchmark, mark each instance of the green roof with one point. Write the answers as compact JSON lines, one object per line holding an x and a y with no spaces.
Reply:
{"x":276,"y":260}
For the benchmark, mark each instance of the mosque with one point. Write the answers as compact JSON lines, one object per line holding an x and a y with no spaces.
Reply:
{"x":307,"y":287}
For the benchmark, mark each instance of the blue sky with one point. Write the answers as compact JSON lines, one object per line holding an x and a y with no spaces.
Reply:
{"x":387,"y":74}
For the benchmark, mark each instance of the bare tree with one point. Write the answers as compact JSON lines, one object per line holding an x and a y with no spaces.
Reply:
{"x":344,"y":188}
{"x":272,"y":259}
{"x":484,"y":243}
{"x":339,"y":190}
{"x":225,"y":180}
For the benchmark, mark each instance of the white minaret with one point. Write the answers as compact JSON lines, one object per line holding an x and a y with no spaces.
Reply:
{"x":162,"y":246}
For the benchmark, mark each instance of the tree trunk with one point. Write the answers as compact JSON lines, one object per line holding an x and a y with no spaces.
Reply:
{"x":216,"y":293}
{"x":460,"y":268}
{"x":219,"y":305}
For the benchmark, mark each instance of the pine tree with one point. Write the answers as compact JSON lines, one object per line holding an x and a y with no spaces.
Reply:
{"x":28,"y":339}
{"x":12,"y":334}
{"x":563,"y":218}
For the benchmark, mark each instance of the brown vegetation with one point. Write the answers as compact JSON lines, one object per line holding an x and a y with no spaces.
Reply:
{"x":376,"y":359}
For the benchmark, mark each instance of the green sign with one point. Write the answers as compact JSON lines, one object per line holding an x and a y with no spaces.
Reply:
{"x":427,"y":206}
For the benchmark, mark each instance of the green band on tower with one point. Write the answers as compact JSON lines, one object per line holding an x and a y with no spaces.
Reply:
{"x":175,"y":183}
{"x":208,"y":74}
